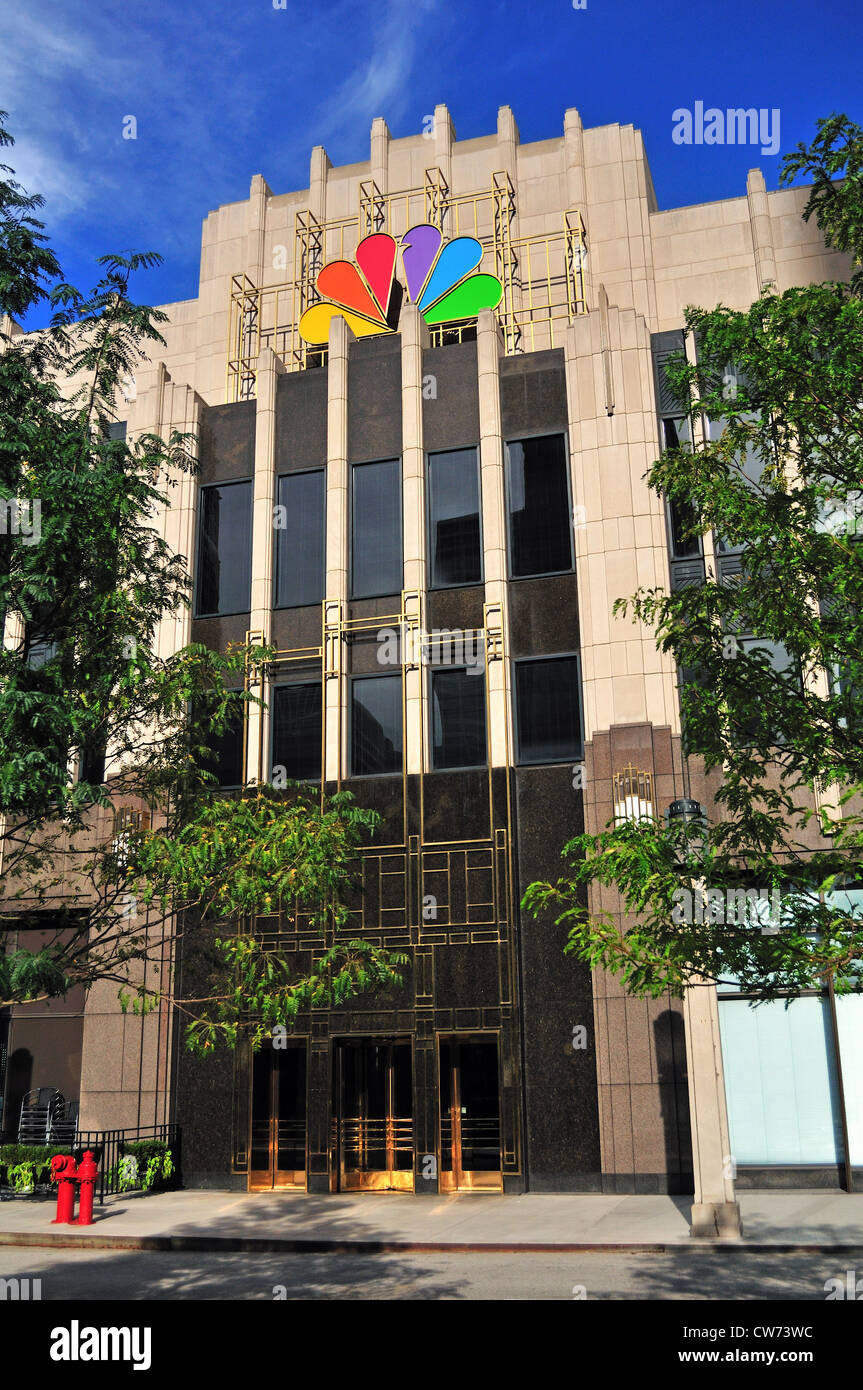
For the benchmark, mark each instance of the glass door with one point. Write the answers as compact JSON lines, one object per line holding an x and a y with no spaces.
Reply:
{"x":375,"y":1115}
{"x":469,"y":1115}
{"x":277,"y":1155}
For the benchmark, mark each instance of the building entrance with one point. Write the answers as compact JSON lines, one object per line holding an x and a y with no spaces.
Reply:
{"x":374,"y":1115}
{"x":277,"y":1155}
{"x":469,"y":1115}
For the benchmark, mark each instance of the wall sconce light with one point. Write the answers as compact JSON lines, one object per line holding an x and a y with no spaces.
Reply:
{"x":632,"y":795}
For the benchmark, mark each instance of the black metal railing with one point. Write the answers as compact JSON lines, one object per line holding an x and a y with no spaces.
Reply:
{"x":108,"y":1147}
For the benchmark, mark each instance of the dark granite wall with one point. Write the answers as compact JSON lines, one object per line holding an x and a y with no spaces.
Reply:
{"x":375,"y":399}
{"x":226,"y":444}
{"x":533,"y":393}
{"x":562,"y":1119}
{"x":450,"y":400}
{"x":301,"y":421}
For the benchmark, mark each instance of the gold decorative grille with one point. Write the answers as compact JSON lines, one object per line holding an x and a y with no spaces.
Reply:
{"x":419,"y":890}
{"x":632,"y":794}
{"x":543,"y":276}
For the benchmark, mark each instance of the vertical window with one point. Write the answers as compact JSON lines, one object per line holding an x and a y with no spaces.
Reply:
{"x":750,"y":463}
{"x":91,"y":767}
{"x":225,"y":550}
{"x":547,"y":710}
{"x":376,"y":725}
{"x":684,"y":545}
{"x":455,"y":549}
{"x":780,"y":1079}
{"x":376,"y":529}
{"x":761,"y":726}
{"x":226,"y":752}
{"x":458,"y":719}
{"x":300,"y":534}
{"x":677,"y":434}
{"x":540,"y":525}
{"x":296,"y":725}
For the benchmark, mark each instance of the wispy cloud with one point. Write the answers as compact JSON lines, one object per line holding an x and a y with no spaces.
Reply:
{"x":379,"y":81}
{"x":40,"y":57}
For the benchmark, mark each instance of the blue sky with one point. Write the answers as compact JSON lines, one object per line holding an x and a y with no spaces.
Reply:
{"x":223,"y":89}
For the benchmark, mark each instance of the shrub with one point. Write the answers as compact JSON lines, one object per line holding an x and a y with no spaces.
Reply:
{"x":14,"y":1157}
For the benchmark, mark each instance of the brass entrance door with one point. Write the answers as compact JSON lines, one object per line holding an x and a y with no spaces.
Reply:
{"x":277,"y":1156}
{"x":469,"y":1115}
{"x":375,"y":1115}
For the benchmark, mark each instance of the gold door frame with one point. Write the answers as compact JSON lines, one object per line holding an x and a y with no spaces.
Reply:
{"x":458,"y":1178}
{"x":272,"y":1178}
{"x":391,"y":1135}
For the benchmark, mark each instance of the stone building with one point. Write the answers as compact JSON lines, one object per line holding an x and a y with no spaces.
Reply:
{"x":472,"y":493}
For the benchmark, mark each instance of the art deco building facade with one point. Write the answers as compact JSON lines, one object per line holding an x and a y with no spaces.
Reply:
{"x":430,"y":523}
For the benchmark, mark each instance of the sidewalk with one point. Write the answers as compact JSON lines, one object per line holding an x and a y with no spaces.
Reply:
{"x":384,"y":1222}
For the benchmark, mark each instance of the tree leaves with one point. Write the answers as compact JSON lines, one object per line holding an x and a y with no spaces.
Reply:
{"x":769,"y":652}
{"x":114,"y":870}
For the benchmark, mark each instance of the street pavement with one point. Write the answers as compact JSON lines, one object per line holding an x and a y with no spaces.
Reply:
{"x":680,"y":1275}
{"x":378,"y":1223}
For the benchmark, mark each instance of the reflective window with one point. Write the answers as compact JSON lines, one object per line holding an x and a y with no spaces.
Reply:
{"x":299,"y":538}
{"x":682,"y":515}
{"x":455,"y":548}
{"x":540,"y":524}
{"x":547,"y":710}
{"x":91,"y":767}
{"x":760,"y":727}
{"x":780,"y":1080}
{"x":458,"y":718}
{"x":226,"y":760}
{"x":225,"y":549}
{"x":376,"y":529}
{"x":296,"y":731}
{"x":376,"y":725}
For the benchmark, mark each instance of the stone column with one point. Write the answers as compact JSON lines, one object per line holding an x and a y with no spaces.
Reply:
{"x":762,"y":231}
{"x":269,"y":369}
{"x":414,"y":337}
{"x":444,"y":137}
{"x":338,"y":480}
{"x":319,"y":168}
{"x":715,"y":1211}
{"x":573,"y":145}
{"x":493,"y":503}
{"x":259,"y":192}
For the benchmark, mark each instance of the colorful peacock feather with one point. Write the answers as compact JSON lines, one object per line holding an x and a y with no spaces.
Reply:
{"x":442,"y":281}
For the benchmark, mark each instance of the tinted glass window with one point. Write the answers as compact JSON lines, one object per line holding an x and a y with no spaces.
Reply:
{"x":225,"y":549}
{"x":761,"y":728}
{"x":540,"y":526}
{"x":296,"y":725}
{"x":376,"y":725}
{"x":226,"y":762}
{"x":458,"y":719}
{"x":454,"y":532}
{"x":682,"y":517}
{"x":547,"y":710}
{"x":92,"y":765}
{"x":40,"y":635}
{"x":299,"y":533}
{"x":376,"y":529}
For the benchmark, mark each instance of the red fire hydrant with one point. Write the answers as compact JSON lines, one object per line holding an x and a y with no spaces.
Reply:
{"x":87,"y":1175}
{"x":63,"y":1172}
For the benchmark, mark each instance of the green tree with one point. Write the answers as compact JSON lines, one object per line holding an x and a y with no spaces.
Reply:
{"x":770,"y":660}
{"x":93,"y":720}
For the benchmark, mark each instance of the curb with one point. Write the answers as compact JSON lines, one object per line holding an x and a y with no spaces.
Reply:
{"x":274,"y":1245}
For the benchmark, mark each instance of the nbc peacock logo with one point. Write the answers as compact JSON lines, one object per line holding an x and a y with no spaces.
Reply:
{"x":443,"y":280}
